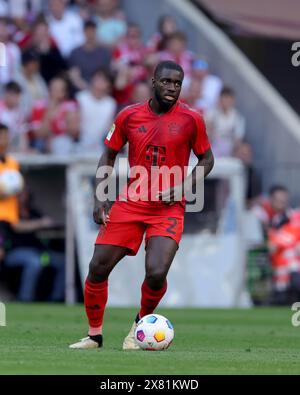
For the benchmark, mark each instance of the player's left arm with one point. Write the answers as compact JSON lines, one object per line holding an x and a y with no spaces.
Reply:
{"x":202,"y":150}
{"x":206,"y":161}
{"x":175,"y":193}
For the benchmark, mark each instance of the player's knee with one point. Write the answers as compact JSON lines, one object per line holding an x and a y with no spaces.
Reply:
{"x":98,"y":269}
{"x":156,"y":278}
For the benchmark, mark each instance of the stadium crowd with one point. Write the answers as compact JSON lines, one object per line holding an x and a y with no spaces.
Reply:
{"x":68,"y":62}
{"x":72,"y":65}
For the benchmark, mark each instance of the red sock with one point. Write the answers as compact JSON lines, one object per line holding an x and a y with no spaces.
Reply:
{"x":95,"y":298}
{"x":150,"y":298}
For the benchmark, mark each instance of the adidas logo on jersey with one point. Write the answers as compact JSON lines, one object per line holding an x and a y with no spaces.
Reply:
{"x":142,"y":129}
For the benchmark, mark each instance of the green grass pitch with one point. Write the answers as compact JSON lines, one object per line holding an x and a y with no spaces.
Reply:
{"x":255,"y":341}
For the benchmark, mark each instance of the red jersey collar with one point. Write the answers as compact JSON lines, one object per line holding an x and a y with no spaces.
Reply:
{"x":157,"y":115}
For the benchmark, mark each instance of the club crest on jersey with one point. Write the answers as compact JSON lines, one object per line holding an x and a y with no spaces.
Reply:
{"x":110,"y":133}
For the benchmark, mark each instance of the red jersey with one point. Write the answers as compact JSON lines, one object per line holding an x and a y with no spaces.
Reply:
{"x":159,"y":140}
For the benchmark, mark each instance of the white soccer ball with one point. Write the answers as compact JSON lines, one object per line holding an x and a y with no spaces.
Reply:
{"x":11,"y":182}
{"x":154,"y":332}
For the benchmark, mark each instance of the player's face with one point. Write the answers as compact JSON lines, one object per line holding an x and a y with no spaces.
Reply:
{"x":167,"y":87}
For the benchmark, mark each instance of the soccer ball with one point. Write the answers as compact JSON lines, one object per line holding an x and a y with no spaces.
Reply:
{"x":154,"y":332}
{"x":11,"y":182}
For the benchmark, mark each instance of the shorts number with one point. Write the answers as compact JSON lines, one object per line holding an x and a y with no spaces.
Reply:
{"x":174,"y":223}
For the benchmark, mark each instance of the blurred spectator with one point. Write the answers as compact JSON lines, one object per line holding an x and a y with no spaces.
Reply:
{"x":69,"y":143}
{"x":97,"y":110}
{"x":128,"y":65}
{"x":32,"y":83}
{"x":21,"y":9}
{"x":131,"y":52}
{"x":166,"y":26}
{"x":176,"y":50}
{"x":65,"y":26}
{"x":51,"y":61}
{"x":49,"y":117}
{"x":12,"y":55}
{"x":141,"y":92}
{"x":23,"y":249}
{"x":274,"y":210}
{"x":85,"y":60}
{"x":284,"y":247}
{"x":9,"y":210}
{"x":211,"y":85}
{"x":12,"y":114}
{"x":282,"y":229}
{"x":3,"y":8}
{"x":123,"y":85}
{"x":83,"y":8}
{"x":111,"y":24}
{"x":18,"y":244}
{"x":225,"y":125}
{"x":191,"y":95}
{"x":243,"y":151}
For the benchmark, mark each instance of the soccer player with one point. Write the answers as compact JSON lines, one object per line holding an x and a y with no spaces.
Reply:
{"x":160,"y":132}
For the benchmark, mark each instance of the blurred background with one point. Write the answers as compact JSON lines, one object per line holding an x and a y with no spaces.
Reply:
{"x":68,"y":67}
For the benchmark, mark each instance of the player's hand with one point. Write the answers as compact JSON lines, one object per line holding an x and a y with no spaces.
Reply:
{"x":171,"y":195}
{"x":101,"y":213}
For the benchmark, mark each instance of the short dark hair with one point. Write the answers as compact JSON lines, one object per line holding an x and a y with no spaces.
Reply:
{"x":13,"y":87}
{"x":178,"y":35}
{"x":30,"y":56}
{"x":4,"y":20}
{"x":162,"y":20}
{"x":39,"y":20}
{"x":277,"y":188}
{"x":167,"y":64}
{"x":103,"y":72}
{"x":63,"y":76}
{"x":134,"y":25}
{"x":227,"y":91}
{"x":3,"y":128}
{"x":90,"y":24}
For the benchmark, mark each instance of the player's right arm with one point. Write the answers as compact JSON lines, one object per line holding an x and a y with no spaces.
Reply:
{"x":115,"y":140}
{"x":101,"y":205}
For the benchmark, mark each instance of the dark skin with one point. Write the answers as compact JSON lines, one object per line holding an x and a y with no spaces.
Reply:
{"x":160,"y":250}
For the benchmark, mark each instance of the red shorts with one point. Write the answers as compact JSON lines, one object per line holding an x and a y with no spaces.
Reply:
{"x":129,"y":221}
